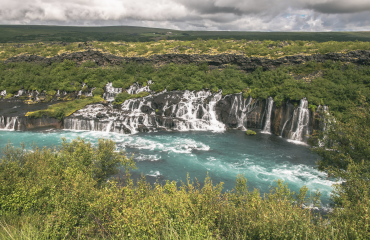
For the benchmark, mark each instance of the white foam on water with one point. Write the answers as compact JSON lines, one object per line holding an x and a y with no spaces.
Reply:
{"x":154,"y":174}
{"x":151,"y":158}
{"x":297,"y":142}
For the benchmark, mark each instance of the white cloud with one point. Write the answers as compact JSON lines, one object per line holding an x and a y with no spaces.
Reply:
{"x":247,"y":15}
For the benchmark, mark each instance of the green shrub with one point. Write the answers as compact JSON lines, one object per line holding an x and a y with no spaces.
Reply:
{"x":121,"y":97}
{"x":98,"y":92}
{"x":64,"y":109}
{"x":51,"y":92}
{"x":71,"y":198}
{"x":250,"y":132}
{"x":9,"y":95}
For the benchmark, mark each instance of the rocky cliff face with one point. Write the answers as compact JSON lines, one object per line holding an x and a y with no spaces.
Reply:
{"x":22,"y":123}
{"x":243,"y":62}
{"x":196,"y":110}
{"x":173,"y":111}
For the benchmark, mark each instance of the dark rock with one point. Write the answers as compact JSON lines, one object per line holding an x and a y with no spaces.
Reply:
{"x":247,"y":64}
{"x":101,"y":115}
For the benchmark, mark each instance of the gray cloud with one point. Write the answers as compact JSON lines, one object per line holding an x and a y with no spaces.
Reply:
{"x":335,"y":7}
{"x":246,"y":15}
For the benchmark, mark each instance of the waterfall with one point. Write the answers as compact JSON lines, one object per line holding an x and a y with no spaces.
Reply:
{"x":3,"y":93}
{"x":240,"y":109}
{"x":136,"y":88}
{"x":217,"y":125}
{"x":111,"y":92}
{"x":185,"y":111}
{"x":267,"y":127}
{"x":19,"y":93}
{"x":9,"y":123}
{"x":194,"y":115}
{"x":178,"y":110}
{"x":109,"y":126}
{"x":282,"y":130}
{"x":300,"y":120}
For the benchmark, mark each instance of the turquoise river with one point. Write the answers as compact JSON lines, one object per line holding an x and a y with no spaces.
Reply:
{"x":162,"y":156}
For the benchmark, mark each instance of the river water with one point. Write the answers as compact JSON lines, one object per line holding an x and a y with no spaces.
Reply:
{"x":162,"y":156}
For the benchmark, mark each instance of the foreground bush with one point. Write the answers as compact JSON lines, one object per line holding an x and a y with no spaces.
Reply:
{"x":64,"y":193}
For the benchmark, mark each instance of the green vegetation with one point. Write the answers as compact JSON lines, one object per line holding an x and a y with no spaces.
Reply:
{"x":251,"y":48}
{"x":250,"y":133}
{"x":344,"y":150}
{"x":121,"y":97}
{"x":64,"y":109}
{"x":64,"y":193}
{"x":337,"y":86}
{"x":39,"y":33}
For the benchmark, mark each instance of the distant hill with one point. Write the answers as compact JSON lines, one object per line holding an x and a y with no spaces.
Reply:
{"x":42,"y":33}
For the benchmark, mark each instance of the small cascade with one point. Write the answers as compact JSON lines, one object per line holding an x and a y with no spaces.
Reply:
{"x":136,"y":88}
{"x":9,"y":123}
{"x":282,"y":130}
{"x":19,"y":93}
{"x":109,"y":126}
{"x":300,"y":121}
{"x":111,"y":92}
{"x":267,"y":126}
{"x":3,"y":93}
{"x":196,"y":116}
{"x":240,"y":109}
{"x":219,"y":126}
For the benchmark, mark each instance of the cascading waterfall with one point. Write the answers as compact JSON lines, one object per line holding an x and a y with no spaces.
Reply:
{"x":267,"y":127}
{"x":282,"y":130}
{"x":299,"y":126}
{"x":184,"y":111}
{"x":136,"y":88}
{"x":9,"y":123}
{"x":111,"y":92}
{"x":240,"y":108}
{"x":191,"y":107}
{"x":181,"y":111}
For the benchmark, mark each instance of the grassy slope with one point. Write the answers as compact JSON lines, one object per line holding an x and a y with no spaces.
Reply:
{"x":64,"y":109}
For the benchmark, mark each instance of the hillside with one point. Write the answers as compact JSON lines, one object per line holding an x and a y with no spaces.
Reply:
{"x":42,"y":33}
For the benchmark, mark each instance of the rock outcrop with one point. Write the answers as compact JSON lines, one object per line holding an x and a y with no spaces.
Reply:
{"x":172,"y":111}
{"x":248,"y":64}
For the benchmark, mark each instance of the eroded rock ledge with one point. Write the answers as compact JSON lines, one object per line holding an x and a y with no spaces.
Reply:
{"x":248,"y":64}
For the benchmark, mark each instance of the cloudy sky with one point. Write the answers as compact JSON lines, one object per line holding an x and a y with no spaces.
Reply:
{"x":244,"y":15}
